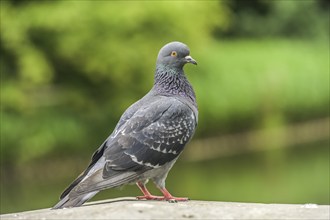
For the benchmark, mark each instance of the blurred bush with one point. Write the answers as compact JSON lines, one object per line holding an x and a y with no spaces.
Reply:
{"x":257,"y":84}
{"x":259,"y":18}
{"x":69,"y":68}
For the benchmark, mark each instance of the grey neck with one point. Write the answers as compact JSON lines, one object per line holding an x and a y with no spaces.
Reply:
{"x":170,"y":80}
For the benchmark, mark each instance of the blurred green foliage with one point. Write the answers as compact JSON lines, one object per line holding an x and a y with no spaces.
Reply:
{"x":259,"y":18}
{"x":70,"y":68}
{"x":257,"y":81}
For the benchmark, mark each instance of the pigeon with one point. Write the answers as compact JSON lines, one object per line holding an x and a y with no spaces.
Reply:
{"x":149,"y":137}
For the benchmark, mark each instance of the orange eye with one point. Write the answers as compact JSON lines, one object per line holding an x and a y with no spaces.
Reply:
{"x":174,"y":54}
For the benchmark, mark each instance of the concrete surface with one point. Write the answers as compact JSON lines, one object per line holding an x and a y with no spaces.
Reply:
{"x":130,"y":208}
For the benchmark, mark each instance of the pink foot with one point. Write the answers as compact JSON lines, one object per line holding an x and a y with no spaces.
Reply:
{"x":170,"y":198}
{"x":146,"y":193}
{"x":167,"y":196}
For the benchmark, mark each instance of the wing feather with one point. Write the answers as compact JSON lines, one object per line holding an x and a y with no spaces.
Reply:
{"x":155,"y":135}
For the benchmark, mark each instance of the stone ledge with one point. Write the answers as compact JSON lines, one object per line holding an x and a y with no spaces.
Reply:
{"x":130,"y":208}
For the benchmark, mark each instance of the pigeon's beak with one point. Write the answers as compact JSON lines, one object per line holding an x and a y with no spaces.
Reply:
{"x":189,"y":59}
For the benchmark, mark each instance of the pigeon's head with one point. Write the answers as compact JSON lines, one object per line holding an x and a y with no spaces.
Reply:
{"x":175,"y":54}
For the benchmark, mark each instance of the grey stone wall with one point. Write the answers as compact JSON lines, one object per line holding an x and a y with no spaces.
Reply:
{"x":130,"y":208}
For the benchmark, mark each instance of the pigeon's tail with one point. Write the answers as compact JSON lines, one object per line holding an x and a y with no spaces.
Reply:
{"x":68,"y":202}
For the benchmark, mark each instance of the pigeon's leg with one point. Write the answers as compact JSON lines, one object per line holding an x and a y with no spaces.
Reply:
{"x":146,"y":194}
{"x":169,"y":197}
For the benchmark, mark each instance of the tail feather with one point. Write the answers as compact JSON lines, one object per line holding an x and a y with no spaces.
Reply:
{"x":67,"y":202}
{"x":73,"y":184}
{"x":96,"y":182}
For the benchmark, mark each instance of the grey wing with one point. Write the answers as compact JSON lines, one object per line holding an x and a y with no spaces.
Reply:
{"x":153,"y":137}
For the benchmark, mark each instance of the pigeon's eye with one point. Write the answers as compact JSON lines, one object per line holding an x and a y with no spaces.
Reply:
{"x":174,"y":54}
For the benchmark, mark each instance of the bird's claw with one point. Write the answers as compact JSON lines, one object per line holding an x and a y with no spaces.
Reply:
{"x":172,"y":201}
